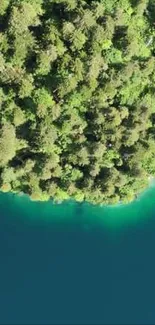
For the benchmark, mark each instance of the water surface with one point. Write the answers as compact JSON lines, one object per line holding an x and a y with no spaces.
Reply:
{"x":76,"y":263}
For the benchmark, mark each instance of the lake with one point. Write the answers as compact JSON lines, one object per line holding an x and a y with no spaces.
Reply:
{"x":76,"y":263}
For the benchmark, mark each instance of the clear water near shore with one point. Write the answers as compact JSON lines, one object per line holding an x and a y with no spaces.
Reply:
{"x":83,"y":213}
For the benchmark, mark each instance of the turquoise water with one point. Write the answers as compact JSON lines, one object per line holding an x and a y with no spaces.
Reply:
{"x":77,"y":263}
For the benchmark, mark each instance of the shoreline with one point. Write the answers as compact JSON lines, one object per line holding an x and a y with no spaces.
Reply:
{"x":151,"y":180}
{"x":84,"y":212}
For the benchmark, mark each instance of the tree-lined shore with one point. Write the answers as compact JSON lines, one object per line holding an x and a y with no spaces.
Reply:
{"x":77,"y":98}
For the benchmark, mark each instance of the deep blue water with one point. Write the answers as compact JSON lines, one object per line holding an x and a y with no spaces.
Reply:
{"x":76,"y":270}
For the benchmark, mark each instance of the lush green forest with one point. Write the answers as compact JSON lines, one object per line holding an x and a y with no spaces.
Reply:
{"x":77,"y":98}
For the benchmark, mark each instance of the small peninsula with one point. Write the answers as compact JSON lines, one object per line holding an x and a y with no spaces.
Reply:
{"x":77,"y":98}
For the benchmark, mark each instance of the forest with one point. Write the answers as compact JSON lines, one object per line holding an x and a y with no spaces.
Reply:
{"x":77,"y":99}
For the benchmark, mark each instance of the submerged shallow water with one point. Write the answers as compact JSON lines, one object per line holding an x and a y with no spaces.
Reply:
{"x":76,"y":263}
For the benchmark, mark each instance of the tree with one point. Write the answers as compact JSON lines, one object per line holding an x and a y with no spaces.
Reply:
{"x":7,"y":143}
{"x":23,"y":44}
{"x":26,"y":86}
{"x":3,"y":7}
{"x":44,"y":100}
{"x":78,"y":40}
{"x":45,"y":58}
{"x":19,"y":116}
{"x":22,"y":16}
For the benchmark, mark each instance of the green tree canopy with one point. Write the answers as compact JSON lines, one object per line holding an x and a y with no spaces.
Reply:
{"x":77,"y":103}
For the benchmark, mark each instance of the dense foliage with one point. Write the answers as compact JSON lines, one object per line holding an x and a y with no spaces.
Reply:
{"x":77,"y":98}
